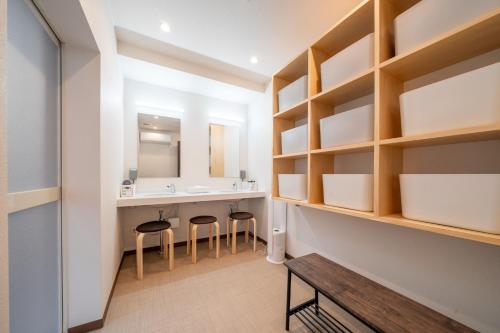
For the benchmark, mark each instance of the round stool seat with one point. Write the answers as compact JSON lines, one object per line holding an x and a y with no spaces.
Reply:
{"x":241,"y":216}
{"x":153,"y":226}
{"x":203,"y":219}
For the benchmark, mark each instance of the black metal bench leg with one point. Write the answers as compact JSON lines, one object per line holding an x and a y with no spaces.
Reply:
{"x":316,"y":301}
{"x":288,"y":291}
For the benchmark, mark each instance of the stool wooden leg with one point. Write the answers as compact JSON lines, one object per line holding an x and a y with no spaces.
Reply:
{"x":194,"y":228}
{"x":217,"y":239}
{"x":235,"y":230}
{"x":188,"y":244}
{"x":228,"y":232}
{"x":254,"y":235}
{"x":138,"y":253}
{"x":210,"y":237}
{"x":247,"y":230}
{"x":170,"y":234}
{"x":165,"y":242}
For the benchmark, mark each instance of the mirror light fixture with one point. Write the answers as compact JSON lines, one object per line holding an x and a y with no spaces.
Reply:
{"x":157,"y":110}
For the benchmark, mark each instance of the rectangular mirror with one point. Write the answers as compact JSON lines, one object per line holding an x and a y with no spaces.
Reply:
{"x":224,"y":151}
{"x":159,"y":153}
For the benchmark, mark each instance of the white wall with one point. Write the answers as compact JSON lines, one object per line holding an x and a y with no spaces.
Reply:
{"x":111,"y":142}
{"x":194,"y":132}
{"x":81,"y":191}
{"x":260,"y":131}
{"x":92,"y":168}
{"x":198,"y":111}
{"x":456,"y":277}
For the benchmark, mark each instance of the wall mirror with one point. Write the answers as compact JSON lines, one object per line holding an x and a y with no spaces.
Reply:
{"x":224,"y":151}
{"x":159,"y":146}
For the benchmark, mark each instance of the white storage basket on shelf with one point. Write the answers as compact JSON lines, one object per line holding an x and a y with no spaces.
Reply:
{"x":292,"y":94}
{"x":430,"y":18}
{"x":353,"y":191}
{"x":351,"y":61}
{"x":292,"y":186}
{"x":348,"y":127}
{"x":468,"y":201}
{"x":467,"y":100}
{"x":294,"y":140}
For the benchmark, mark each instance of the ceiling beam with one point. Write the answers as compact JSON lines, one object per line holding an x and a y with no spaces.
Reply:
{"x":134,"y":45}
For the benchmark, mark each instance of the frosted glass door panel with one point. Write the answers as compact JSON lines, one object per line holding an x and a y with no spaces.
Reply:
{"x":32,"y":101}
{"x":33,"y":163}
{"x":34,"y":269}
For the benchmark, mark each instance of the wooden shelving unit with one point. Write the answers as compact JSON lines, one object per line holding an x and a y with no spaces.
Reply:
{"x":386,"y":82}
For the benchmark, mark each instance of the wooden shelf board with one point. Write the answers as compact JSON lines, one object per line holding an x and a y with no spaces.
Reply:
{"x":295,"y":68}
{"x":294,"y":156}
{"x":345,"y":211}
{"x":399,"y":220}
{"x":352,"y":27}
{"x":291,"y":201}
{"x":447,"y":49}
{"x":478,"y":236}
{"x":359,"y":86}
{"x":482,"y":133}
{"x":356,"y":147}
{"x":298,"y":111}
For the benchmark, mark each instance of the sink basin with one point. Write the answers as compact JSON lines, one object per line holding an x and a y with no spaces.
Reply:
{"x":158,"y":194}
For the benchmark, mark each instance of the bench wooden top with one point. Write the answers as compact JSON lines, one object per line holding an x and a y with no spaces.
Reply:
{"x":381,"y":308}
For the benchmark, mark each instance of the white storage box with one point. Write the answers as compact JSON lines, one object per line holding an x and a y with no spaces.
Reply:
{"x":292,"y":186}
{"x":466,"y":100}
{"x":294,"y":140}
{"x":292,"y":94}
{"x":347,"y":127}
{"x":431,"y":18}
{"x":469,"y":201}
{"x":351,"y":191}
{"x":351,"y":61}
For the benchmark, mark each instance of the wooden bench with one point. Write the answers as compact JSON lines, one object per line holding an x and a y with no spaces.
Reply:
{"x":379,"y":308}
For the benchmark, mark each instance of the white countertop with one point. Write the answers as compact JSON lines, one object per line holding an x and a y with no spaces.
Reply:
{"x":151,"y":199}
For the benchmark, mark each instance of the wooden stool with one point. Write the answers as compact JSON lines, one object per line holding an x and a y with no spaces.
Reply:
{"x":241,"y":216}
{"x":194,"y":222}
{"x":152,"y":227}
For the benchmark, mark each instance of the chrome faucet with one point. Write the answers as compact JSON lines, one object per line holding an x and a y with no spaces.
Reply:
{"x":171,"y":188}
{"x":235,"y":186}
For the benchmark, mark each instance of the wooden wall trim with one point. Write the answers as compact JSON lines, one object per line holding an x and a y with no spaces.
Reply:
{"x":18,"y":201}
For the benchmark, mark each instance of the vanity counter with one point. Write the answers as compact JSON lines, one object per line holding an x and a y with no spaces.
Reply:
{"x":152,"y":199}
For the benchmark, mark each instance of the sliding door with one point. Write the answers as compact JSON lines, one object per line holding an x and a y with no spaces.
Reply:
{"x":33,"y":159}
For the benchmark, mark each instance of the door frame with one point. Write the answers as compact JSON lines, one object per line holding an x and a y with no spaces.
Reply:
{"x":17,"y":201}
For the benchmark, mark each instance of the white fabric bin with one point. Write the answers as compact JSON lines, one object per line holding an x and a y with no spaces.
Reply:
{"x":292,"y":94}
{"x":348,"y":127}
{"x":351,"y":61}
{"x":292,"y":186}
{"x":430,"y":18}
{"x":468,"y":201}
{"x":466,"y":100}
{"x":294,"y":140}
{"x":353,"y":191}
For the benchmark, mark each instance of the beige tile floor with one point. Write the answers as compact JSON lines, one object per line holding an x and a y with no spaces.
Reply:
{"x":235,"y":293}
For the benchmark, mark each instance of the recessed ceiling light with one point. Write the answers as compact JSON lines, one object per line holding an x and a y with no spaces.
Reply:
{"x":254,"y":60}
{"x":165,"y":27}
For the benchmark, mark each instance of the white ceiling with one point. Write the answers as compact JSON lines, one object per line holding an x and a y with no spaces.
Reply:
{"x":234,"y":30}
{"x":142,"y":71}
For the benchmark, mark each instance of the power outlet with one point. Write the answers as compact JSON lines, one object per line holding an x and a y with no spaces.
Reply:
{"x":174,"y":222}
